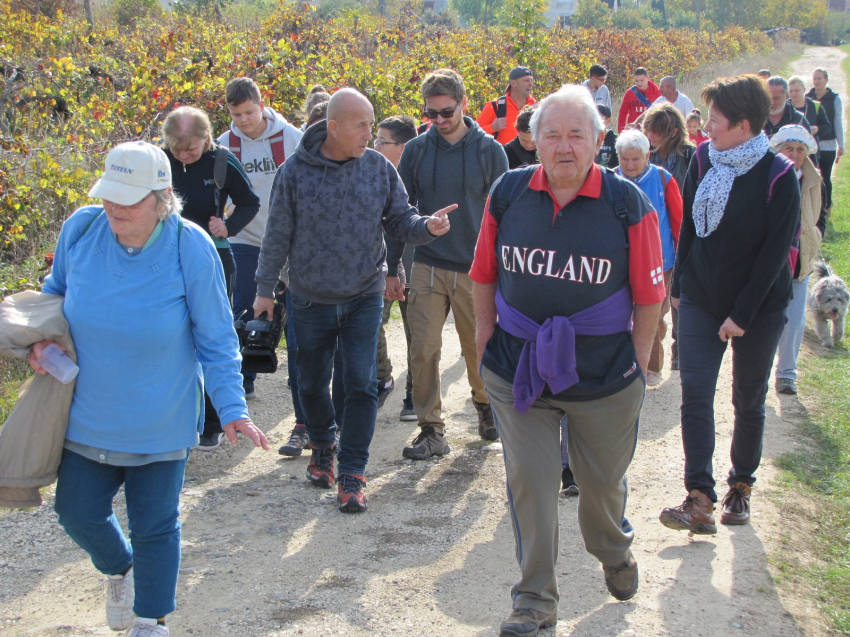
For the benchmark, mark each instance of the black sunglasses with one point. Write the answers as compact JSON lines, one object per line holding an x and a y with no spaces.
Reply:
{"x":446,"y":113}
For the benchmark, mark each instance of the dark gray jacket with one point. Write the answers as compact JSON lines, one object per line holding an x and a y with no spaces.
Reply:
{"x":437,"y":174}
{"x":328,"y":220}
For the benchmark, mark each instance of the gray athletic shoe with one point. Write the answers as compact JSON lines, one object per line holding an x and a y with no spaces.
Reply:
{"x":786,"y":386}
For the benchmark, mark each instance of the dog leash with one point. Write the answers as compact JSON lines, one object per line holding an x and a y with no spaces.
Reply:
{"x":825,"y":264}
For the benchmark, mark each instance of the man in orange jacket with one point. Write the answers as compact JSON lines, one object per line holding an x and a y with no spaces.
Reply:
{"x":499,"y":116}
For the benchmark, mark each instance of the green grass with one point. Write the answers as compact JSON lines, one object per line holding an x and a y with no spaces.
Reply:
{"x":822,"y":473}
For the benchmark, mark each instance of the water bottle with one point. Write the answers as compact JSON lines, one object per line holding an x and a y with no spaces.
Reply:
{"x":57,"y":364}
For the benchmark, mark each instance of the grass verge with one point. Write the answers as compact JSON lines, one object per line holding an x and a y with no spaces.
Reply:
{"x":821,"y":474}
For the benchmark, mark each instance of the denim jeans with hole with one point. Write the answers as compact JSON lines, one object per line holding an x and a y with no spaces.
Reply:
{"x":353,"y":328}
{"x":84,"y":493}
{"x":700,"y":355}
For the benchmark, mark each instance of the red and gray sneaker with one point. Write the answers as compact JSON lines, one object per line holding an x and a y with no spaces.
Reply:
{"x":350,"y":496}
{"x":320,"y":471}
{"x":298,"y":441}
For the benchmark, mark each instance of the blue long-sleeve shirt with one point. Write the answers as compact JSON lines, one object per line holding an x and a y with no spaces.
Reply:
{"x":150,"y":329}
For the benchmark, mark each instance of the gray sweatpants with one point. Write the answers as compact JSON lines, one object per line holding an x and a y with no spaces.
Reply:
{"x":602,"y":439}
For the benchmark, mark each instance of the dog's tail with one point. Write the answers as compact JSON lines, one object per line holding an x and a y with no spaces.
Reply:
{"x":821,"y":270}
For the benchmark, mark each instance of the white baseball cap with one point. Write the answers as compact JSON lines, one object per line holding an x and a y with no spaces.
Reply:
{"x":132,"y":171}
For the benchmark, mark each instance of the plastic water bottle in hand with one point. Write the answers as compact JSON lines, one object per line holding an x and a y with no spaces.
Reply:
{"x":57,"y":364}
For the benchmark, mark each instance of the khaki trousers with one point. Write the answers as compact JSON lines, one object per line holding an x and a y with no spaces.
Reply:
{"x":656,"y":354}
{"x":602,"y":439}
{"x":433,"y":292}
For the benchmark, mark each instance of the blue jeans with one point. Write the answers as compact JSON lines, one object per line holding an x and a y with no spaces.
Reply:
{"x":338,"y":391}
{"x":245,"y":289}
{"x":354,"y":327}
{"x":700,"y":355}
{"x":84,"y":493}
{"x":792,"y":335}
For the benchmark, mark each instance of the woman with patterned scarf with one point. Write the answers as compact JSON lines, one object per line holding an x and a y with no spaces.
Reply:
{"x":732,"y":282}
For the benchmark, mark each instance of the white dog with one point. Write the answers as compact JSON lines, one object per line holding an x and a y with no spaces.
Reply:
{"x":828,"y":301}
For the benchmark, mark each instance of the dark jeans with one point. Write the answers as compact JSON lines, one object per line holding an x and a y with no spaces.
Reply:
{"x":212,"y":423}
{"x":246,"y":258}
{"x":84,"y":493}
{"x":354,"y":326}
{"x":827,"y":159}
{"x":338,"y":391}
{"x":700,"y":354}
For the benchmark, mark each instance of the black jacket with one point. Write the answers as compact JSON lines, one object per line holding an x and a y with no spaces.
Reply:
{"x":789,"y":116}
{"x":742,"y":267}
{"x":519,"y":156}
{"x":196,"y":186}
{"x":817,"y":117}
{"x":827,"y":103}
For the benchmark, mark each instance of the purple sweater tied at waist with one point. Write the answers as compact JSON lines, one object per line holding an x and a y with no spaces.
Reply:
{"x":549,"y":353}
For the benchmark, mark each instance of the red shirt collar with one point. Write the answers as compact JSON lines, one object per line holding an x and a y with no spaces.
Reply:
{"x":592,"y":186}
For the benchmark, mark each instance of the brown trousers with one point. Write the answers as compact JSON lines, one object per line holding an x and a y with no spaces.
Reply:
{"x":433,"y":292}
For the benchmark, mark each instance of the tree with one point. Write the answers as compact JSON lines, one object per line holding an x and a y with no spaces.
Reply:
{"x":797,"y":14}
{"x":481,"y":12}
{"x":744,"y":13}
{"x":590,"y":13}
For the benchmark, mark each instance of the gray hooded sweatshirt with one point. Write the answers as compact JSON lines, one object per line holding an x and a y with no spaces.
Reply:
{"x":437,"y":174}
{"x":328,"y":219}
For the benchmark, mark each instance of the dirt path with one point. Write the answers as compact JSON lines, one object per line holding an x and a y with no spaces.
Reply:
{"x":265,"y":554}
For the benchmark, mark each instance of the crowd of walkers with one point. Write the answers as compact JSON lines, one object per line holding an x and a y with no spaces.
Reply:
{"x":558,"y":246}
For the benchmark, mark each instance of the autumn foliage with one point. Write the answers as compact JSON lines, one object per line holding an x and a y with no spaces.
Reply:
{"x":68,"y":96}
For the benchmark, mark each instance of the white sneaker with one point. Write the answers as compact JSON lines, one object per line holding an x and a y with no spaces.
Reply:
{"x":120,"y":593}
{"x":144,"y":627}
{"x":653,"y":379}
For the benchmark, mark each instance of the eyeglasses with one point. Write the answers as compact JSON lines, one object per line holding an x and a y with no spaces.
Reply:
{"x":380,"y":143}
{"x":446,"y":113}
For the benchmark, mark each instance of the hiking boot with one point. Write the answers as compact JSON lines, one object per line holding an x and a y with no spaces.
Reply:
{"x":786,"y":386}
{"x":428,"y":443}
{"x":209,"y":442}
{"x":695,"y":514}
{"x":120,"y":593}
{"x":350,"y":493}
{"x":736,"y":504}
{"x":622,"y":580}
{"x":486,"y":425}
{"x":298,"y":441}
{"x":144,"y":627}
{"x":385,"y":388}
{"x":320,"y":471}
{"x":568,"y":483}
{"x":408,"y":414}
{"x":525,"y":622}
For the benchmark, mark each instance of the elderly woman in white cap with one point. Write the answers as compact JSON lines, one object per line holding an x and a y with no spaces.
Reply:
{"x":146,"y":304}
{"x":797,"y":144}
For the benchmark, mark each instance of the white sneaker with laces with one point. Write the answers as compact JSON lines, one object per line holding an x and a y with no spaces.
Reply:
{"x":120,"y":593}
{"x":144,"y":627}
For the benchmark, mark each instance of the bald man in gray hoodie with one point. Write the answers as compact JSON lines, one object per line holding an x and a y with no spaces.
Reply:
{"x":330,"y":204}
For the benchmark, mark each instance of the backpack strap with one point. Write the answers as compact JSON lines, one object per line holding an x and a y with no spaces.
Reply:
{"x":663,"y":174}
{"x":485,"y":161}
{"x":779,"y":167}
{"x":234,"y":145}
{"x":507,"y":189}
{"x":641,"y":97}
{"x":616,"y":196}
{"x":500,"y":109}
{"x":278,"y":154}
{"x":220,"y":167}
{"x":418,"y":152}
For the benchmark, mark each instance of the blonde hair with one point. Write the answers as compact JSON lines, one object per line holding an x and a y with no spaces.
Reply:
{"x":797,"y":80}
{"x":185,"y":124}
{"x":666,"y":121}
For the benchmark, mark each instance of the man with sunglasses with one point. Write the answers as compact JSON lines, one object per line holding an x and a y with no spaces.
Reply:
{"x":499,"y":116}
{"x":454,"y":162}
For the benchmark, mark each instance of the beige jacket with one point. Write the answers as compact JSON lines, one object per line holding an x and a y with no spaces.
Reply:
{"x":810,"y":204}
{"x":32,"y":438}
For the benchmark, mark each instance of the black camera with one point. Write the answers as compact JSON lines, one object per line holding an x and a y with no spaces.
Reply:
{"x":259,"y":338}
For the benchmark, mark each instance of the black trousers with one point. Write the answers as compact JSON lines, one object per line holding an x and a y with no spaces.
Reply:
{"x":827,"y":159}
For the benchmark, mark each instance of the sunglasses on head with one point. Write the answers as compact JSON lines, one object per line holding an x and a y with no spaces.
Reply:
{"x":446,"y":113}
